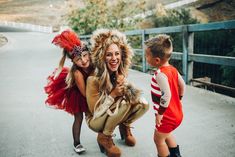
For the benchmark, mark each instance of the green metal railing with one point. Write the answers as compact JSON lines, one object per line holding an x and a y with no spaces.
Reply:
{"x":187,"y":55}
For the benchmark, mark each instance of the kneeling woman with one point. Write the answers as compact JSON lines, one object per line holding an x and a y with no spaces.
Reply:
{"x":111,"y":100}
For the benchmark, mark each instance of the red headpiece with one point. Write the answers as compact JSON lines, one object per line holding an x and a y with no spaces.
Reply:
{"x":70,"y":42}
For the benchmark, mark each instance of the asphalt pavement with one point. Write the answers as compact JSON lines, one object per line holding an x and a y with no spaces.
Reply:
{"x":28,"y":128}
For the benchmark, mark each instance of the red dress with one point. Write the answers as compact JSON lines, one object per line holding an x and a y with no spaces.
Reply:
{"x":60,"y":97}
{"x":173,"y":115}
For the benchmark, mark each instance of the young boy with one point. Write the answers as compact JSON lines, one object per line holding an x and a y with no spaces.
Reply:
{"x":167,"y":89}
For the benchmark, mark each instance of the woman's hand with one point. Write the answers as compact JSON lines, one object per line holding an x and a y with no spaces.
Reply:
{"x":120,"y":79}
{"x":117,"y":91}
{"x":119,"y":88}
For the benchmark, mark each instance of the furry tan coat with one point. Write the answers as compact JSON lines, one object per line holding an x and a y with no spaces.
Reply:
{"x":99,"y":84}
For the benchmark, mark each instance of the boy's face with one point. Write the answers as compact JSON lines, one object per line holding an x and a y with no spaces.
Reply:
{"x":153,"y":61}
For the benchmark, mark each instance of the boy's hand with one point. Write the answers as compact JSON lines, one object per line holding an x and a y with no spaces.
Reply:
{"x":159,"y":119}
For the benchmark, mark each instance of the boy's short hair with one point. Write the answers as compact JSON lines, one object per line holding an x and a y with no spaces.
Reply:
{"x":160,"y":46}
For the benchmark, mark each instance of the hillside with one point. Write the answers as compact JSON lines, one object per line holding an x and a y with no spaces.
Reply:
{"x":52,"y":12}
{"x":41,"y":12}
{"x":213,"y":10}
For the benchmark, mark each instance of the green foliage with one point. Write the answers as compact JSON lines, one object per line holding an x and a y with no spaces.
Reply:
{"x":220,"y":43}
{"x":228,"y":73}
{"x":174,"y":18}
{"x":98,"y":14}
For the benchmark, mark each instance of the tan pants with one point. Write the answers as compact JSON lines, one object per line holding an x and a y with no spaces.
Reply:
{"x":127,"y":114}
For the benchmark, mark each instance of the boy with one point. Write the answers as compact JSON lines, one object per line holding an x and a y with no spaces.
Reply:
{"x":167,"y":89}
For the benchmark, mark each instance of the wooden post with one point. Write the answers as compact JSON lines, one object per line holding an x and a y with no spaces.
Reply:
{"x":185,"y":53}
{"x":190,"y":51}
{"x":144,"y":64}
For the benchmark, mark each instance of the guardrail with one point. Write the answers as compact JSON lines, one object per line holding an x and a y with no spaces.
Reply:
{"x":187,"y":56}
{"x":27,"y":26}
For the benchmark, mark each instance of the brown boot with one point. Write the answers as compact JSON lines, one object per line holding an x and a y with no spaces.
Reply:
{"x":107,"y":146}
{"x":125,"y":133}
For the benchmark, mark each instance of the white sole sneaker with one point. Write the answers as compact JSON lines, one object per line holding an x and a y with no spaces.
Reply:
{"x":79,"y":149}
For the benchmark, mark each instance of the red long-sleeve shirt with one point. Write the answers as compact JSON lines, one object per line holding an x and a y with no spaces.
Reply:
{"x":167,"y":86}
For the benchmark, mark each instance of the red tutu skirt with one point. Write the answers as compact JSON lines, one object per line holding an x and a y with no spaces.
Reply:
{"x":60,"y":97}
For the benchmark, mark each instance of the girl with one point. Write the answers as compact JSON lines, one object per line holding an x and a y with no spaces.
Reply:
{"x":66,"y":87}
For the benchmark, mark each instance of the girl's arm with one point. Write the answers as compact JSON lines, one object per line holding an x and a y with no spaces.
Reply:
{"x":79,"y":80}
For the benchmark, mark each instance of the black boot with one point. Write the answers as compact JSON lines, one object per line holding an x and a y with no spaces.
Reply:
{"x":175,"y":152}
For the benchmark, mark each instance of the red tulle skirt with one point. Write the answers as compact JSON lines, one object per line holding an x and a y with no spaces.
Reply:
{"x":59,"y":97}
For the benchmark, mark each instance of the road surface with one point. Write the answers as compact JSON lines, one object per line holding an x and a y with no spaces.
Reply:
{"x":30,"y":129}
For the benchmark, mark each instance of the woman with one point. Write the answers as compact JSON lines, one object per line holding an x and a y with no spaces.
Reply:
{"x":111,"y":100}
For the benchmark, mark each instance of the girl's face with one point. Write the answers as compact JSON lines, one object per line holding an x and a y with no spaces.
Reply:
{"x":82,"y":61}
{"x":113,"y":57}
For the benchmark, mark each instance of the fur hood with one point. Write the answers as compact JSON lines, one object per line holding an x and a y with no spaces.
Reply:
{"x":101,"y":39}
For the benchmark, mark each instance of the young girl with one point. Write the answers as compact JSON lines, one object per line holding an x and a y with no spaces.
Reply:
{"x":167,"y":90}
{"x":66,"y":87}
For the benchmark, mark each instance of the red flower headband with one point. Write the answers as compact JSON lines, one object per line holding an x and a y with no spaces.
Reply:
{"x":70,"y":42}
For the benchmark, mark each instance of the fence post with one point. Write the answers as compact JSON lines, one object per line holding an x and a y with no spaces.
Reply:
{"x":185,"y":37}
{"x":190,"y":51}
{"x":144,"y":69}
{"x":144,"y":63}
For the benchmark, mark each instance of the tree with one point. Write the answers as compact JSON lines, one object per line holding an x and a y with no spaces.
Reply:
{"x":228,"y":73}
{"x":165,"y":18}
{"x":100,"y":14}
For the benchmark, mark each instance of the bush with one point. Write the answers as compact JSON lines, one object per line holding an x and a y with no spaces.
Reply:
{"x":98,"y":14}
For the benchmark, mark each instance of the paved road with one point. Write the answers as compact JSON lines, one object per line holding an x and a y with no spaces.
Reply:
{"x":30,"y":129}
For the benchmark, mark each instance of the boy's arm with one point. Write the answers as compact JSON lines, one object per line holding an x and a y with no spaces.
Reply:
{"x":162,"y":81}
{"x":181,"y":86}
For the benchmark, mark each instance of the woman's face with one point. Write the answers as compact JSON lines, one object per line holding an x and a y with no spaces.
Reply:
{"x":113,"y":57}
{"x":82,"y":61}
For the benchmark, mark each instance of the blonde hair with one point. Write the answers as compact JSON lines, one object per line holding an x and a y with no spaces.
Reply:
{"x":70,"y":78}
{"x":160,"y":46}
{"x":100,"y":41}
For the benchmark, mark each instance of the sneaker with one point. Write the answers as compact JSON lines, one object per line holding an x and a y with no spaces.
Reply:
{"x":79,"y":149}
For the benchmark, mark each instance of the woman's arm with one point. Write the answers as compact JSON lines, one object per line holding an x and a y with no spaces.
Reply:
{"x":79,"y":80}
{"x":92,"y":92}
{"x":93,"y":95}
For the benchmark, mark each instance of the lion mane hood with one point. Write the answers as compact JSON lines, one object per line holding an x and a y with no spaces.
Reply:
{"x":101,"y":39}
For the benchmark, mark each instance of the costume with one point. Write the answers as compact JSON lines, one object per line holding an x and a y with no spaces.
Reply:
{"x":99,"y":102}
{"x":106,"y":113}
{"x":60,"y":94}
{"x":66,"y":86}
{"x":167,"y":104}
{"x":60,"y":97}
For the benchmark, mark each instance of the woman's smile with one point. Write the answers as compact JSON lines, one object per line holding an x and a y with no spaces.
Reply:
{"x":113,"y":57}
